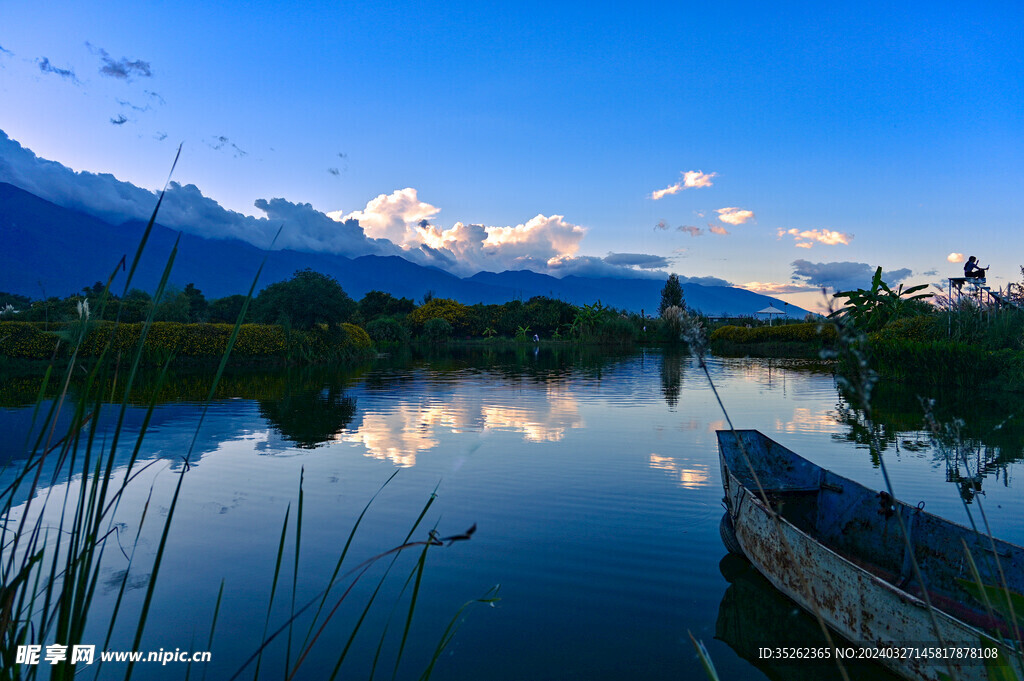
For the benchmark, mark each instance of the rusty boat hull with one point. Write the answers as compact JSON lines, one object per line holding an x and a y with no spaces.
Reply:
{"x":835,"y":548}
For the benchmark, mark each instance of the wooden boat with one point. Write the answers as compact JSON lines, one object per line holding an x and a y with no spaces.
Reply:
{"x":835,"y":548}
{"x":754,"y":615}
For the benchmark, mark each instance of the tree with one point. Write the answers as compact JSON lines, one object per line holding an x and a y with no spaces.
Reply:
{"x":671,"y":295}
{"x":437,"y":330}
{"x":173,"y":306}
{"x":226,"y":310}
{"x":380,"y":304}
{"x":135,"y":306}
{"x":197,"y":304}
{"x":15,"y":300}
{"x":307,"y":299}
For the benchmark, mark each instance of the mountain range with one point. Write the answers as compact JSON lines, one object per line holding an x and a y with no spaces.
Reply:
{"x":47,"y":250}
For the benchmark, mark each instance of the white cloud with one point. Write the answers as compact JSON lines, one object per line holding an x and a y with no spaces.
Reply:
{"x":542,"y":243}
{"x":691,"y":179}
{"x":393,"y":216}
{"x":808,"y":237}
{"x":955,"y":257}
{"x":734,"y":216}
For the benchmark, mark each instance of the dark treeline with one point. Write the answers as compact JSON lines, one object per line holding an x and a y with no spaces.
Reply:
{"x":310,"y":299}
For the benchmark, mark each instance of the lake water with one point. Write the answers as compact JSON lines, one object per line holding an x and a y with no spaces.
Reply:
{"x":593,"y":483}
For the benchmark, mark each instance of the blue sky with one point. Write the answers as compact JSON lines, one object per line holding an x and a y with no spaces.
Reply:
{"x":841,"y":139}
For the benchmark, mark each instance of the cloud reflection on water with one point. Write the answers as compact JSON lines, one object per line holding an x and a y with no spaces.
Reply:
{"x":399,"y":431}
{"x":689,"y":477}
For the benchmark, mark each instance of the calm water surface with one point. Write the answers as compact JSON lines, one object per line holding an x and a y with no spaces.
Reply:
{"x":593,"y":483}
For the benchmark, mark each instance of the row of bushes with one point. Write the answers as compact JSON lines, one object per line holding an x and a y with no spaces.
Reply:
{"x":821,"y":334}
{"x":33,"y":340}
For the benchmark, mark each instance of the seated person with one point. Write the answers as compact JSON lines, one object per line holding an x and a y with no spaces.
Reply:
{"x":971,"y":269}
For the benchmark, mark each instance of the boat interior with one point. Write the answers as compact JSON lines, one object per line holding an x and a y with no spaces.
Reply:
{"x":863,"y":526}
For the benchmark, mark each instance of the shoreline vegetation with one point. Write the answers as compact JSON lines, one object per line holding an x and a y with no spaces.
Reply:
{"x":309,"y":319}
{"x":964,"y":342}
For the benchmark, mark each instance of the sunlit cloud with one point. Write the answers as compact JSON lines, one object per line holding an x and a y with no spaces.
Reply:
{"x":808,"y":237}
{"x":393,"y":216}
{"x":542,"y":243}
{"x":691,"y":179}
{"x":734,"y":216}
{"x":772,"y":288}
{"x":717,"y":229}
{"x":955,"y":257}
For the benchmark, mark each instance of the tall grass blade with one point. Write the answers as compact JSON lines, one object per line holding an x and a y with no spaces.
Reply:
{"x":295,"y":572}
{"x":420,"y":565}
{"x":705,"y":658}
{"x":489,"y":598}
{"x":341,"y":558}
{"x":273,"y":585}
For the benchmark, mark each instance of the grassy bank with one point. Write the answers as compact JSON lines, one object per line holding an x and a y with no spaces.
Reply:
{"x":201,"y":342}
{"x":804,"y":341}
{"x":938,"y":349}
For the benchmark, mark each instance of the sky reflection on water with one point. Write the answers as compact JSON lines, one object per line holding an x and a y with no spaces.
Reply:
{"x":594,"y":483}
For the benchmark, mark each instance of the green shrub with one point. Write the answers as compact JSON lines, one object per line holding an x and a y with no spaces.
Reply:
{"x":387,"y":330}
{"x":437,"y":330}
{"x":357,"y":338}
{"x":616,"y":331}
{"x":455,"y":313}
{"x":921,"y":329}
